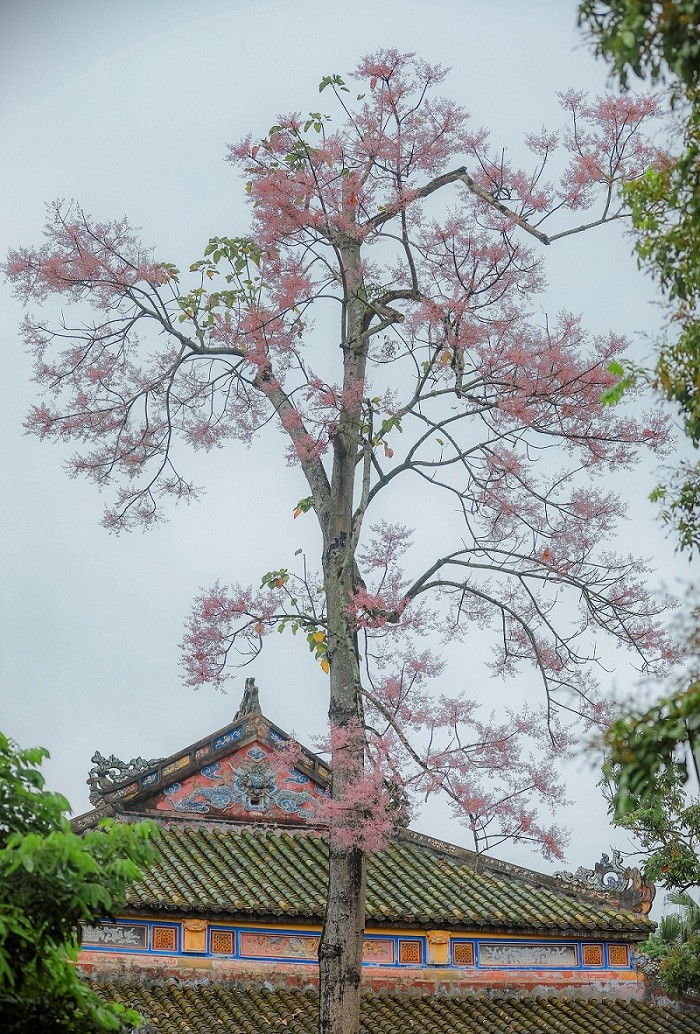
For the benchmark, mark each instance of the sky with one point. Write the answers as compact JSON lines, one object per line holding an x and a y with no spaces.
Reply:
{"x":128,"y":107}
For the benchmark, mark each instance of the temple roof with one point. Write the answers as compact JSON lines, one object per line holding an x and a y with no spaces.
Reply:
{"x":247,"y":871}
{"x":237,"y":812}
{"x":173,"y":1008}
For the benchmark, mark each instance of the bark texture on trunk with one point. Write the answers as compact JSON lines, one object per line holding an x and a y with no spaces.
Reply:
{"x":340,"y":949}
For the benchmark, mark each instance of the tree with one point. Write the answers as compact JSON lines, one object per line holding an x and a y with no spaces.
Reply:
{"x":646,"y":775}
{"x":651,"y":772}
{"x":651,"y":777}
{"x":661,"y":43}
{"x":650,"y":39}
{"x":428,"y":367}
{"x":675,"y":946}
{"x":51,"y":882}
{"x":650,"y":749}
{"x":665,"y":207}
{"x":646,"y":779}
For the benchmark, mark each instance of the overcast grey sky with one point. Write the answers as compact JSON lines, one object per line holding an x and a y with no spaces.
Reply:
{"x":127,"y":107}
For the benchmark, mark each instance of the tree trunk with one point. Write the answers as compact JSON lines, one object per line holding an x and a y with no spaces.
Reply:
{"x":340,"y":949}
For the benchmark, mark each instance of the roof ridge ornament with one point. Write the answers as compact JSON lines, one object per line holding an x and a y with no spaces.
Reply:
{"x":610,"y":876}
{"x":110,"y":772}
{"x":250,"y":703}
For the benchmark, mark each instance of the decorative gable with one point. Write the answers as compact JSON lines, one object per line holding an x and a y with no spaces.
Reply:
{"x":240,"y":773}
{"x":249,"y":783}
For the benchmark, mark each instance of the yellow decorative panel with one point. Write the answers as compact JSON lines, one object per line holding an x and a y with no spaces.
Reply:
{"x":410,"y":953}
{"x":438,"y":948}
{"x":175,"y":765}
{"x":378,"y":951}
{"x":194,"y":935}
{"x":593,"y":954}
{"x":221,"y":942}
{"x":258,"y":726}
{"x":269,"y":944}
{"x":164,"y":938}
{"x":463,"y":954}
{"x":618,"y":955}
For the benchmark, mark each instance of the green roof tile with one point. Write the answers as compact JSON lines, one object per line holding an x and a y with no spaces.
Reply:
{"x":226,"y":1008}
{"x":258,"y":871}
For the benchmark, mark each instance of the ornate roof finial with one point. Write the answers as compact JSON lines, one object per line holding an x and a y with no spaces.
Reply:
{"x":250,"y":703}
{"x":613,"y":877}
{"x":110,"y":772}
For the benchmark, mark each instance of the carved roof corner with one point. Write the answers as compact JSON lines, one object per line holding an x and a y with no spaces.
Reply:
{"x":107,"y":773}
{"x":624,"y":885}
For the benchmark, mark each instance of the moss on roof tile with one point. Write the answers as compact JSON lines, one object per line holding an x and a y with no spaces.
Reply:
{"x":234,"y":870}
{"x":227,"y":1008}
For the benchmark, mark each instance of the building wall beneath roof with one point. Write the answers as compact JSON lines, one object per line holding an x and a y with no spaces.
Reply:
{"x":393,"y":958}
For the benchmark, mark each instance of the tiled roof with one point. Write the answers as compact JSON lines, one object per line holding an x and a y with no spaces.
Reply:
{"x":224,"y":1009}
{"x":278,"y":873}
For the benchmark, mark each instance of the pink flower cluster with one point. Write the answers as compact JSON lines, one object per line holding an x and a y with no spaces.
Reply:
{"x":362,"y":813}
{"x":223,"y":620}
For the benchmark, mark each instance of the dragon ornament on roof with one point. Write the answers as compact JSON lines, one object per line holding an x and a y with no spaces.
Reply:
{"x":610,"y":876}
{"x":107,"y":773}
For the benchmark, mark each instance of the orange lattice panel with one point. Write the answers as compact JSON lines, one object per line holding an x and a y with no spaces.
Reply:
{"x":593,"y":954}
{"x":221,"y":942}
{"x":618,"y":955}
{"x":463,"y":954}
{"x":410,"y":953}
{"x":164,"y":938}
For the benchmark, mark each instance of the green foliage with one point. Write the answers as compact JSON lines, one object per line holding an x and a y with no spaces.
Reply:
{"x":332,"y":80}
{"x":647,"y":770}
{"x":689,"y":916}
{"x":645,"y":37}
{"x":298,"y":619}
{"x":665,"y":207}
{"x":679,"y":972}
{"x":678,"y":373}
{"x":51,"y":882}
{"x":655,"y":947}
{"x":676,"y":945}
{"x":665,"y":211}
{"x":643,"y":757}
{"x":662,"y":41}
{"x":680,"y":497}
{"x":627,"y":378}
{"x":667,"y":825}
{"x":275,"y":579}
{"x":669,"y":931}
{"x":241,"y":258}
{"x":646,"y":776}
{"x":303,"y":506}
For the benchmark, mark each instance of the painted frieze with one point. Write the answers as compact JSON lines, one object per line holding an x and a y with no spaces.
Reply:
{"x":432,"y":949}
{"x":560,"y":956}
{"x":252,"y":782}
{"x":116,"y":935}
{"x":279,"y":946}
